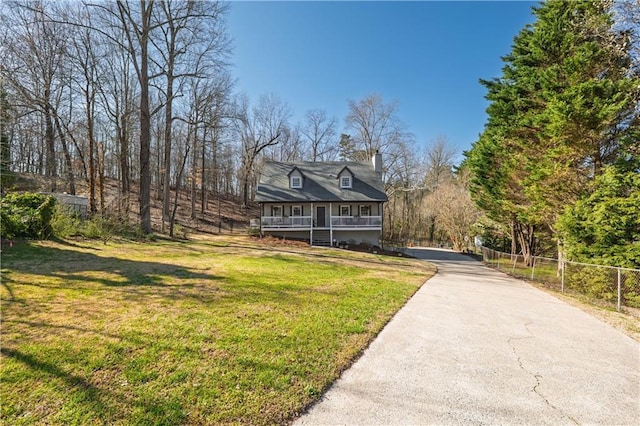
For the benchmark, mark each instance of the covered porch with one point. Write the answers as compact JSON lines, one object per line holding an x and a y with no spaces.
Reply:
{"x":323,"y":223}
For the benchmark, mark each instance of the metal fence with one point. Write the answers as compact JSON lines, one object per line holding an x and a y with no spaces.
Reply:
{"x":613,"y":285}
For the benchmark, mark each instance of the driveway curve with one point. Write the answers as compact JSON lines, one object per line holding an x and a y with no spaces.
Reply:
{"x":475,"y":346}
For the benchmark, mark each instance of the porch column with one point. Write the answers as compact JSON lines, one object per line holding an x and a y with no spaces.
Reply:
{"x":311,"y":226}
{"x":330,"y":224}
{"x":381,"y":211}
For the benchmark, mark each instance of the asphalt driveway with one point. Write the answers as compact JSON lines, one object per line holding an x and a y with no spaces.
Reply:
{"x":474,"y":346}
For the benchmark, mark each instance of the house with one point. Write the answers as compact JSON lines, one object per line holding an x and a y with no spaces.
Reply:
{"x":324,"y":203}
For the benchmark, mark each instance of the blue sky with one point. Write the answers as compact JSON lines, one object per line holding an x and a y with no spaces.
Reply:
{"x":427,"y":56}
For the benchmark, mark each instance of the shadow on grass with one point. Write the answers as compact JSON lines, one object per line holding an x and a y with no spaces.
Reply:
{"x":79,"y":270}
{"x":89,"y":272}
{"x":329,"y":255}
{"x":89,"y":392}
{"x":40,"y":324}
{"x":89,"y":398}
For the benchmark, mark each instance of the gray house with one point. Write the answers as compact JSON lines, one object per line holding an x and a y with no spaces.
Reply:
{"x":324,"y":203}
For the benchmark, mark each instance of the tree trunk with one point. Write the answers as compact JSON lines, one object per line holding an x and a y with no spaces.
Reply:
{"x":167,"y":147}
{"x":125,"y":182}
{"x":145,"y":121}
{"x":194,"y":168}
{"x":51,"y":148}
{"x":101,"y":177}
{"x":92,"y":149}
{"x":525,"y":235}
{"x":67,"y":157}
{"x":514,"y":239}
{"x":175,"y":200}
{"x":203,"y":174}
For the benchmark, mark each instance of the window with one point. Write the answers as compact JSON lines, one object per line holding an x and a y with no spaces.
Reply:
{"x":296,"y":182}
{"x":345,"y":182}
{"x":276,"y":211}
{"x":365,"y":210}
{"x":345,"y":210}
{"x":296,"y":210}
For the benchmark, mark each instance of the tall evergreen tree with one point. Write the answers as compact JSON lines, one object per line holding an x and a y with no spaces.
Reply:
{"x":558,"y":114}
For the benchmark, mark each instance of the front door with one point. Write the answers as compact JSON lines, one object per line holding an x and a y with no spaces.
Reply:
{"x":321,"y":221}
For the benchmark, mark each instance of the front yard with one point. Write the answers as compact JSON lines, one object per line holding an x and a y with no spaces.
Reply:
{"x":217,"y":330}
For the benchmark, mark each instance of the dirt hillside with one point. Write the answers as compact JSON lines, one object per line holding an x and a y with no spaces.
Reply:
{"x":222,"y":213}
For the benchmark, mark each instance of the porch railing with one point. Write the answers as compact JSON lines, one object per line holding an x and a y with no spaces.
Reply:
{"x":356,"y":221}
{"x":286,"y":222}
{"x":306,"y":222}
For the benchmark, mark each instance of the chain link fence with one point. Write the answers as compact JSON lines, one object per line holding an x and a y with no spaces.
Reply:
{"x":608,"y":284}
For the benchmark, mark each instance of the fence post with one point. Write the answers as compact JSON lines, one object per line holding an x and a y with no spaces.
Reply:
{"x":562,"y":269}
{"x":533,"y":268}
{"x":619,"y":289}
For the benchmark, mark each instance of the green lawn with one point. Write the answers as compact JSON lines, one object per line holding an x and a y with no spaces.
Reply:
{"x":211,"y":331}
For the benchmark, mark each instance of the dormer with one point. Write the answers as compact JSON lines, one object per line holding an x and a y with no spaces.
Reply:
{"x":345,"y":178}
{"x":295,"y":178}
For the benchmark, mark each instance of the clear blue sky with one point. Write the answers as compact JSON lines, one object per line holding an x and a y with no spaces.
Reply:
{"x":427,"y":56}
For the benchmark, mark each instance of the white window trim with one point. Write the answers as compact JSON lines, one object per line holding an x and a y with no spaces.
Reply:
{"x":273,"y":213}
{"x":293,"y":210}
{"x":291,"y":182}
{"x":349,"y":179}
{"x":348,"y":207}
{"x":361,"y":206}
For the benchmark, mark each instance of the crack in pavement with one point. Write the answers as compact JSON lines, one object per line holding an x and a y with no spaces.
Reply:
{"x":537,"y":377}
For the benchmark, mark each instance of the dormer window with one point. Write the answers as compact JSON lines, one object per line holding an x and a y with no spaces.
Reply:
{"x":345,"y":178}
{"x":296,"y":182}
{"x":295,"y":178}
{"x":345,"y":182}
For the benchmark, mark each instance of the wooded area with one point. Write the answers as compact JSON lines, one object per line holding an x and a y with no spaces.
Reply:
{"x":142,"y":92}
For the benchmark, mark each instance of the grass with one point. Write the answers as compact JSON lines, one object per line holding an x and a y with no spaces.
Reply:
{"x":211,"y":331}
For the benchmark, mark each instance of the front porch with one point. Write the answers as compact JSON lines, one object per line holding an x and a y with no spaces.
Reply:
{"x":329,"y":223}
{"x":296,"y":223}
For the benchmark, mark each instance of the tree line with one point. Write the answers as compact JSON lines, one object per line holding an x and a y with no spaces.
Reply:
{"x":141,"y":92}
{"x":557,"y":165}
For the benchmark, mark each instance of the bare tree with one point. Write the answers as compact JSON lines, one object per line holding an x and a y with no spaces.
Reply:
{"x":192,"y":41}
{"x":438,"y":162}
{"x":258,"y":128}
{"x":438,"y":171}
{"x":137,"y":25}
{"x":85,"y":60}
{"x":319,"y":131}
{"x":456,"y":212}
{"x":290,"y":147}
{"x":32,"y":68}
{"x":375,"y":127}
{"x":117,"y":100}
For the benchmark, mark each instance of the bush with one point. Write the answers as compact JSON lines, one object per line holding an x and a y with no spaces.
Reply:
{"x":26,"y":215}
{"x":597,"y":282}
{"x":67,"y":224}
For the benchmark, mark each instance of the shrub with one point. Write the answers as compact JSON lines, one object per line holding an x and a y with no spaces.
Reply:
{"x":67,"y":224}
{"x":26,"y":215}
{"x":598,"y":282}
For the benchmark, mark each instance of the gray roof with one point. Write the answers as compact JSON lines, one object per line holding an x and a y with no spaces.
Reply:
{"x":320,"y":182}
